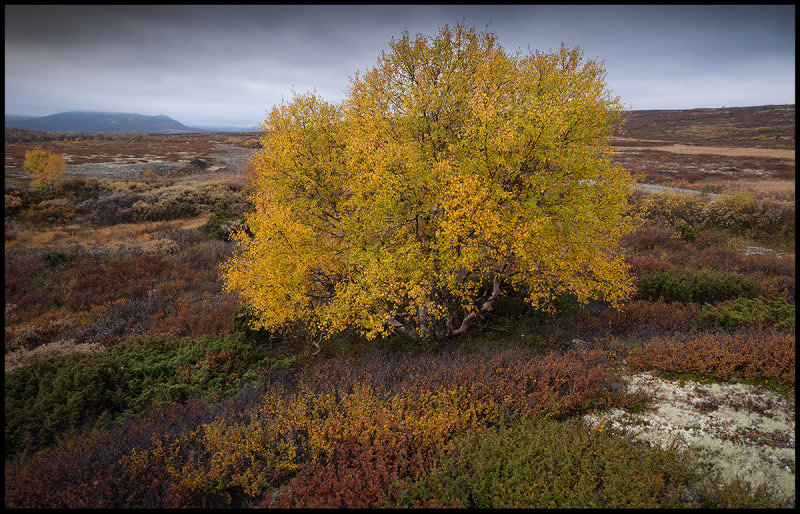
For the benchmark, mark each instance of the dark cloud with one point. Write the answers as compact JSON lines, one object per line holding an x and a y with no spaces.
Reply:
{"x":229,"y":64}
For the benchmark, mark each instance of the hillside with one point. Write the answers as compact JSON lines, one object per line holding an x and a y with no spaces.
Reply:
{"x":84,"y":121}
{"x":765,"y":126}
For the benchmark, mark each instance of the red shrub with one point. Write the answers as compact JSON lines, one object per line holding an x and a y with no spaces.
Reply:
{"x":117,"y":278}
{"x":750,"y":354}
{"x":358,"y":474}
{"x":648,"y":264}
{"x":650,"y":239}
{"x":720,"y":259}
{"x":211,"y":315}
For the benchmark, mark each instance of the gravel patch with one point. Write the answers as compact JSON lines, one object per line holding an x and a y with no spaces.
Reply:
{"x":744,"y":431}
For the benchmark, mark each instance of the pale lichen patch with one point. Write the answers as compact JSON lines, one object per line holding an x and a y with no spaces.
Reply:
{"x":746,"y":432}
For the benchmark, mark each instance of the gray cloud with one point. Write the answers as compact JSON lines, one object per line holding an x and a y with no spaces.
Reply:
{"x":227,"y":65}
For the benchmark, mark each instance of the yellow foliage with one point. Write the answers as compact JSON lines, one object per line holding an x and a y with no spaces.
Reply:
{"x":451,"y":172}
{"x":47,"y":167}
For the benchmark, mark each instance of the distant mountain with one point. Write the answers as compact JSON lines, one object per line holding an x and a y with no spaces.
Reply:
{"x":17,"y":117}
{"x":83,"y":121}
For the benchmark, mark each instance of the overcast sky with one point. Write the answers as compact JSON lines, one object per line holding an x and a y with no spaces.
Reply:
{"x":227,"y":65}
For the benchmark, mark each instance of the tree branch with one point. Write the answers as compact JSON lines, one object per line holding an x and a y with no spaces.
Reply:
{"x":485,"y":307}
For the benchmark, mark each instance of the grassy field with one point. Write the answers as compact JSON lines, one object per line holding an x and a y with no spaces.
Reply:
{"x":133,"y":380}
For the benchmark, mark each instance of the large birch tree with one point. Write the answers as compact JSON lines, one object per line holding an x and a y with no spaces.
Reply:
{"x":452,"y":172}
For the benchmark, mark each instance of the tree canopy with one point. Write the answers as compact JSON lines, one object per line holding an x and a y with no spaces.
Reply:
{"x":46,"y":167}
{"x":451,"y":173}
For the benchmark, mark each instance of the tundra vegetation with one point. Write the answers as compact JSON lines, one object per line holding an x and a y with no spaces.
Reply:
{"x":145,"y":368}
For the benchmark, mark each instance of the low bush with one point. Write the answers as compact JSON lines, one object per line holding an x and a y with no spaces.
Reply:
{"x":542,"y":463}
{"x":109,"y":208}
{"x":87,"y":473}
{"x":56,"y":258}
{"x":738,"y":211}
{"x":744,"y":312}
{"x":647,"y":264}
{"x":652,"y":239}
{"x":750,"y":354}
{"x":117,"y":278}
{"x":11,"y":204}
{"x":222,"y":225}
{"x":56,"y":211}
{"x":210,"y":314}
{"x":700,"y":287}
{"x":186,"y":199}
{"x":687,"y":231}
{"x":637,"y":317}
{"x":47,"y":397}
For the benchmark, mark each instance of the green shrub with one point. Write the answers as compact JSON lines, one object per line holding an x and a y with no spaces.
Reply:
{"x":743,"y":312}
{"x":53,"y":395}
{"x":53,"y":259}
{"x":544,"y":463}
{"x":222,"y":225}
{"x":687,"y":231}
{"x":700,"y":288}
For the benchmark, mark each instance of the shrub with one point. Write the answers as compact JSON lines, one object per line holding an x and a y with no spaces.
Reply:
{"x":638,"y":317}
{"x":543,"y":463}
{"x":673,"y":208}
{"x":687,"y":231}
{"x":652,"y":239}
{"x":734,"y":210}
{"x":707,"y":287}
{"x":721,"y":259}
{"x":186,"y":199}
{"x":700,"y":288}
{"x":737,"y":211}
{"x":645,"y":265}
{"x":121,"y":319}
{"x":57,"y":210}
{"x":49,"y":396}
{"x":208,"y":315}
{"x":56,"y":258}
{"x":11,"y":204}
{"x":743,"y":312}
{"x":87,"y":472}
{"x":109,"y":208}
{"x":751,"y":354}
{"x":222,"y":225}
{"x":115,"y":279}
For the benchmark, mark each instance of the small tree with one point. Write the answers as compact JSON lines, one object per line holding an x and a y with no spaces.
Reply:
{"x":451,"y":173}
{"x":47,"y":167}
